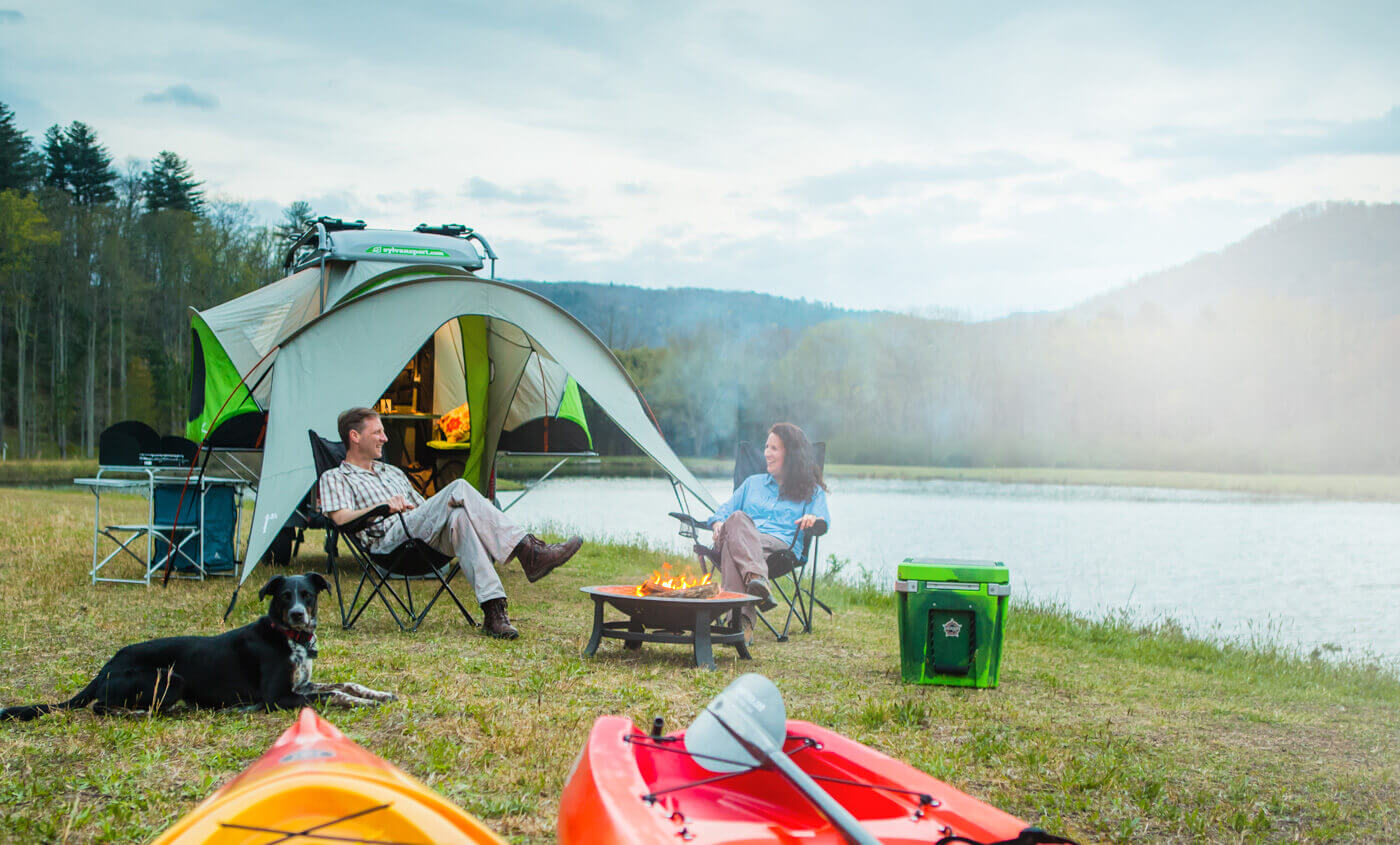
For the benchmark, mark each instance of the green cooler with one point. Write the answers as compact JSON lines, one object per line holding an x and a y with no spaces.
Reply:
{"x":951,"y":617}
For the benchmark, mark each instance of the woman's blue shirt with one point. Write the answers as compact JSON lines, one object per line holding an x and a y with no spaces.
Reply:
{"x":758,"y":497}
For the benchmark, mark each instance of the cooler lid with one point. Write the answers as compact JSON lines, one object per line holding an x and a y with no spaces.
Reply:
{"x":953,"y":569}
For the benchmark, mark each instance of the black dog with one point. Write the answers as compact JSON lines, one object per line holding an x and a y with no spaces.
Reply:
{"x":264,"y":665}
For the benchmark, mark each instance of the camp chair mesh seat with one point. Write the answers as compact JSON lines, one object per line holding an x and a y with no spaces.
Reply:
{"x":788,"y":564}
{"x":389,"y":575}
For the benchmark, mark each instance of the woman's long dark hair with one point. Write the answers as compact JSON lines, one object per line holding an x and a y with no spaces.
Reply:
{"x":801,"y":474}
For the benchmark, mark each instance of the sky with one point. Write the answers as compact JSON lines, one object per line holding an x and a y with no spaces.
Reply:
{"x":955,"y":159}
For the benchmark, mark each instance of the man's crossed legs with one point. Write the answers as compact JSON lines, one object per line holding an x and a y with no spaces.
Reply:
{"x":459,"y":520}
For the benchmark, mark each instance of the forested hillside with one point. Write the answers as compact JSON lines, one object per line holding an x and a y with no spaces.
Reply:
{"x":1274,"y":354}
{"x":626,"y":316}
{"x":97,"y":271}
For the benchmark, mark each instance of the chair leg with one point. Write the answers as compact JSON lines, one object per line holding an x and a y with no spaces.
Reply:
{"x":782,"y":638}
{"x":443,"y":587}
{"x":334,"y":571}
{"x":453,"y":595}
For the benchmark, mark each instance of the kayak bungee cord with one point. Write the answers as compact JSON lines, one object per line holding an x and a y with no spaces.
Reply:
{"x":925,"y":799}
{"x":1028,"y":836}
{"x":310,"y":832}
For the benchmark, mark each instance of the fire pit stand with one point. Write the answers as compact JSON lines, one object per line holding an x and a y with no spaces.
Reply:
{"x":660,"y":619}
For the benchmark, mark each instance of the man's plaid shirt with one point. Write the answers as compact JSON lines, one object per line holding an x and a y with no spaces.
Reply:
{"x":349,"y":486}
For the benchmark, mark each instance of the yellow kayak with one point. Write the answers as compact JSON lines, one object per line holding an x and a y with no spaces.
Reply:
{"x":315,"y":785}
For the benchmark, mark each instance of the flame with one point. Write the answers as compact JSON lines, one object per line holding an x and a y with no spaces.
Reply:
{"x":664,"y":579}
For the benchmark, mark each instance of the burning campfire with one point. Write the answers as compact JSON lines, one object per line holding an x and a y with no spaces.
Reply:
{"x":663,"y":582}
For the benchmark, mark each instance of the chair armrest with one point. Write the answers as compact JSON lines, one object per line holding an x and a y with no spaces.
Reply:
{"x":687,"y":519}
{"x":362,"y":521}
{"x":818,"y":528}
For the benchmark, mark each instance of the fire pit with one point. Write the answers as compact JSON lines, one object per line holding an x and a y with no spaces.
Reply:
{"x":658,"y":618}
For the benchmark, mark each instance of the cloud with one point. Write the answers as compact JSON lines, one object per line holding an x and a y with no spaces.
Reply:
{"x":873,"y":181}
{"x":632,"y":188}
{"x":410,"y":201}
{"x":184,"y":96}
{"x":533,"y":193}
{"x":1077,"y":184}
{"x":1196,"y":150}
{"x":11,"y":16}
{"x":565,"y":222}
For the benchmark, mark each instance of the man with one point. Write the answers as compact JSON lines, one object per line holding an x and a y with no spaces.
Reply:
{"x":456,"y":520}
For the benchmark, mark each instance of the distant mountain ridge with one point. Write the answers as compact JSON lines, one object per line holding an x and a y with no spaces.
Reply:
{"x":1345,"y":256}
{"x":1342,"y":255}
{"x":625,"y":316}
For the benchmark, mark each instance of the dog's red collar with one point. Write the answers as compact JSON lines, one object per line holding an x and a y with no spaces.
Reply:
{"x":305,"y":638}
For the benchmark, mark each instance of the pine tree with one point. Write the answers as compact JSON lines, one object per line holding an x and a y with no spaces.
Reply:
{"x":20,"y":165}
{"x":295,"y":219}
{"x":55,"y":158}
{"x":77,"y":163}
{"x":169,"y":184}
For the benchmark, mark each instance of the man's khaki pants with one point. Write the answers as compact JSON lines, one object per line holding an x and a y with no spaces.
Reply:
{"x":477,"y":532}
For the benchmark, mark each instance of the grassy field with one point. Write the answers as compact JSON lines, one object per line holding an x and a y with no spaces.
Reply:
{"x":46,"y":471}
{"x":1103,"y":731}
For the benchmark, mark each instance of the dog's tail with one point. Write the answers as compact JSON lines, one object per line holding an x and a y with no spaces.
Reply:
{"x":26,"y":712}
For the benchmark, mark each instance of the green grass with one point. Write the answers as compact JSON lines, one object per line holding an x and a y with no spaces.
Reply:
{"x":1106,"y":731}
{"x":46,"y":471}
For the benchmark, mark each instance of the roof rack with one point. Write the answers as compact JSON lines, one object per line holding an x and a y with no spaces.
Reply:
{"x":452,"y":230}
{"x":316,"y":244}
{"x":335,"y":224}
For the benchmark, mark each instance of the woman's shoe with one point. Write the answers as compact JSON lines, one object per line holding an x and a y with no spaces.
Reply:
{"x":759,"y":587}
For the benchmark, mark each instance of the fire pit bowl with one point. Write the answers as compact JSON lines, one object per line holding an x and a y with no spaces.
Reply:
{"x":664,"y":619}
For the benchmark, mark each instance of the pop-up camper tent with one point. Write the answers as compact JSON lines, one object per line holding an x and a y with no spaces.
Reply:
{"x":330,"y":265}
{"x":337,"y":332}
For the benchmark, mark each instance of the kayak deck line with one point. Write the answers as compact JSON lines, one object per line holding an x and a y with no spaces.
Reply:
{"x":925,"y":799}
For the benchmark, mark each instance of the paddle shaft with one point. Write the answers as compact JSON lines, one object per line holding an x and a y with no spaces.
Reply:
{"x":840,"y":816}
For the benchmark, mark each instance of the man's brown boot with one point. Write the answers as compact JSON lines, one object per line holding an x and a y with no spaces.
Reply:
{"x":539,"y":558}
{"x":497,"y":623}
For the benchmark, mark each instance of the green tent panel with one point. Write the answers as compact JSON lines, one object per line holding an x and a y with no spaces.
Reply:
{"x":217,"y":391}
{"x":571,"y":408}
{"x":477,"y":365}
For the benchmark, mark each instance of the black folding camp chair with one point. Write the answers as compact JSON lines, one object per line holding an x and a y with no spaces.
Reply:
{"x":389,"y":575}
{"x":791,"y":566}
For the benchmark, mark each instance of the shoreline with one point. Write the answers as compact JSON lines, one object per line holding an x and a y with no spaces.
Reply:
{"x":31,"y":473}
{"x":1361,"y":488}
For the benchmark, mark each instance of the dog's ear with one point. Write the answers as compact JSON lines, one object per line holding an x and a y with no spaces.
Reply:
{"x":271,"y":586}
{"x":318,"y":581}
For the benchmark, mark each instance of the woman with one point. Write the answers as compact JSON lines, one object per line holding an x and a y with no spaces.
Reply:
{"x":766,"y":512}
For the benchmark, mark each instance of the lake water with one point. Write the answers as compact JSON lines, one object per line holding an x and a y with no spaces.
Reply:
{"x":1306,"y":574}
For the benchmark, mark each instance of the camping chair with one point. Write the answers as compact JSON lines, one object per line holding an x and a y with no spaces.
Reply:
{"x":389,"y":575}
{"x":791,"y":563}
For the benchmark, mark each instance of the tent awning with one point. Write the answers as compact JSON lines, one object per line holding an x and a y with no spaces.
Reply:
{"x":347,"y":356}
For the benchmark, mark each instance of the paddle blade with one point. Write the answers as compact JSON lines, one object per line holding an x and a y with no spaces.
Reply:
{"x":752,"y":707}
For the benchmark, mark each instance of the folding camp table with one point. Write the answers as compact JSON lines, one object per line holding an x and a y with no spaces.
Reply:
{"x":143,"y":480}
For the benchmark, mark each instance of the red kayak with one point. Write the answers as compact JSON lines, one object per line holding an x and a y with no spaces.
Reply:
{"x":631,"y":787}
